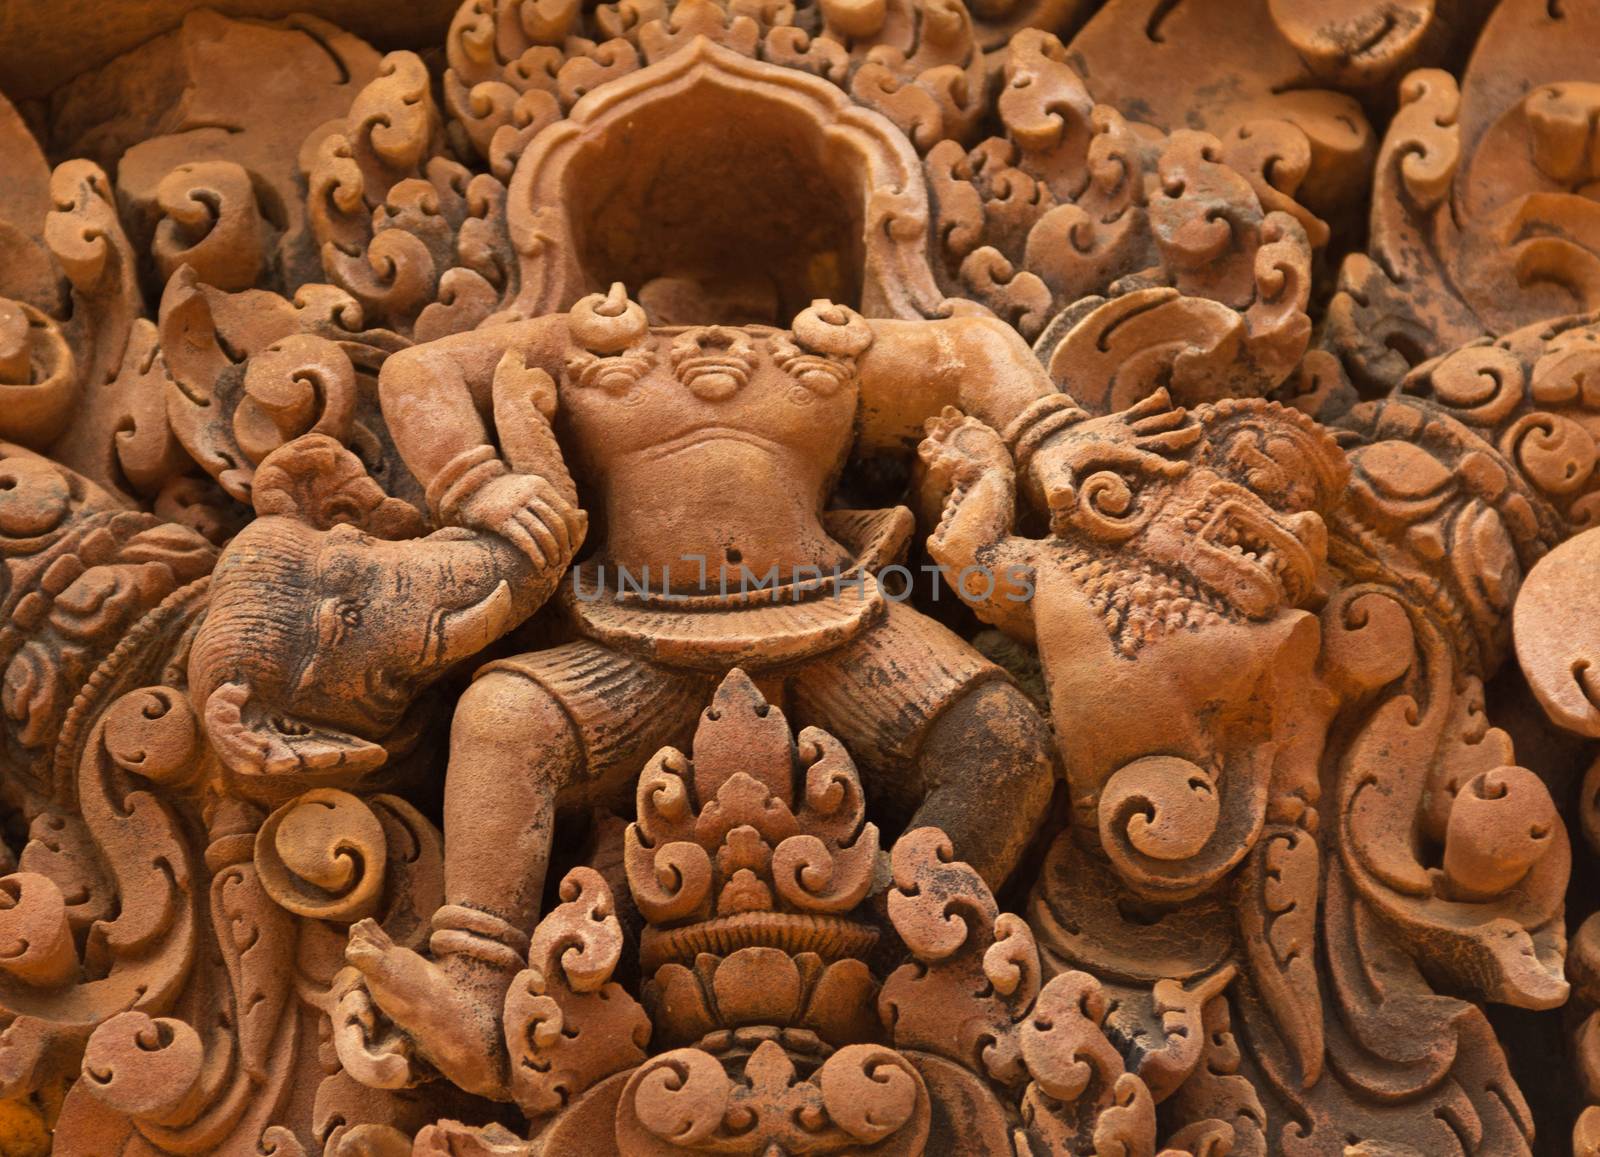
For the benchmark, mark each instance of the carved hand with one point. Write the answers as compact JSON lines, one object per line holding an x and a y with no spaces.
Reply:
{"x":958,"y":450}
{"x":529,"y":512}
{"x":968,"y":478}
{"x":969,"y":487}
{"x":1049,"y":481}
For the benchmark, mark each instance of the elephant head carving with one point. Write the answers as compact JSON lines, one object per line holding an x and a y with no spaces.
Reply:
{"x":329,"y":615}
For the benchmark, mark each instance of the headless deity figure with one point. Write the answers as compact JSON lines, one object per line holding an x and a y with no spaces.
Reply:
{"x":709,"y":454}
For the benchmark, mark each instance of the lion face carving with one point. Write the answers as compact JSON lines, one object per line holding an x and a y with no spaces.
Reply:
{"x":1171,"y":519}
{"x":1167,"y":604}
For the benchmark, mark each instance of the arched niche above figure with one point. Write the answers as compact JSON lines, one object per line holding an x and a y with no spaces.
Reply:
{"x":722,"y":189}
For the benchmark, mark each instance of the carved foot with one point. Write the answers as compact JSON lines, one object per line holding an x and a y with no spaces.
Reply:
{"x":451,"y":1009}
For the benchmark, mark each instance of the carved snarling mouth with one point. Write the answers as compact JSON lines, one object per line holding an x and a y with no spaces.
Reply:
{"x":1251,"y":558}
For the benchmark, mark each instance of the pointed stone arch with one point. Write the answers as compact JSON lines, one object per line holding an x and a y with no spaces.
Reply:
{"x":608,"y":194}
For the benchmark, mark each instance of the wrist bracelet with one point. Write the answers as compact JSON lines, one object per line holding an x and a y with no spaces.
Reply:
{"x":1042,"y":417}
{"x":460,"y":478}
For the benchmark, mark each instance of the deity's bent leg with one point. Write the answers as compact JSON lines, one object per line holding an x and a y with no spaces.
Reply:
{"x":536,"y":732}
{"x":987,"y":772}
{"x":531,"y":734}
{"x":939,"y":732}
{"x":513,"y":751}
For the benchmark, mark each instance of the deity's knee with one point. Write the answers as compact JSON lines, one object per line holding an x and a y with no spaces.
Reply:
{"x":507,"y":726}
{"x":988,"y":769}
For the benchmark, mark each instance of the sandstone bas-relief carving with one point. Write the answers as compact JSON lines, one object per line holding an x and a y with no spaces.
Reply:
{"x":844,"y":578}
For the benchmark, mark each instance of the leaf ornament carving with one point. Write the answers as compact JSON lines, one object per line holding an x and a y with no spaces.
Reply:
{"x":1130,"y":256}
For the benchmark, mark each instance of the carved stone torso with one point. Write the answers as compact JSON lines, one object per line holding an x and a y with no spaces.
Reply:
{"x":716,"y":443}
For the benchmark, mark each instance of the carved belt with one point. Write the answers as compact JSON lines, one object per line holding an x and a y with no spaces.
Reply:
{"x":767,"y":626}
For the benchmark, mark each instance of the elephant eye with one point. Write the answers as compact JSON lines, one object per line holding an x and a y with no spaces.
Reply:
{"x":350,"y":616}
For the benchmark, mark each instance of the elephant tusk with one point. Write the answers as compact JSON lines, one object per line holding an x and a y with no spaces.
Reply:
{"x":468,"y":631}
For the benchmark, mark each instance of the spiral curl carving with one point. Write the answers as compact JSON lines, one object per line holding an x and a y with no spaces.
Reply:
{"x":323,"y":855}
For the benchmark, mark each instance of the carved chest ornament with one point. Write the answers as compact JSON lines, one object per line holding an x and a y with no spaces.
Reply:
{"x":880,"y":577}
